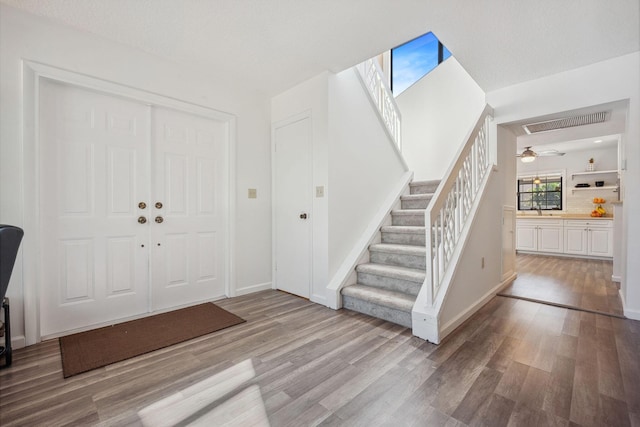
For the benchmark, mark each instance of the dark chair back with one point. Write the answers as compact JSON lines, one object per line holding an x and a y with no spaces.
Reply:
{"x":10,"y":238}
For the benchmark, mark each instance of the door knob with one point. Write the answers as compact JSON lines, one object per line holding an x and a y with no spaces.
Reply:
{"x":303,"y":216}
{"x":158,"y":205}
{"x":142,"y":205}
{"x":159,"y":219}
{"x":142,"y":220}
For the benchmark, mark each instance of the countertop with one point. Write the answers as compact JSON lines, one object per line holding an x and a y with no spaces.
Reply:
{"x":563,"y":216}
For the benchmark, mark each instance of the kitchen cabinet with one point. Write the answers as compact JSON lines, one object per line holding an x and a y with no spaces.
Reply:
{"x":589,"y":237}
{"x":577,"y":237}
{"x":541,"y":235}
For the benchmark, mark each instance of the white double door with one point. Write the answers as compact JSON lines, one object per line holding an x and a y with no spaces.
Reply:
{"x":132,"y":206}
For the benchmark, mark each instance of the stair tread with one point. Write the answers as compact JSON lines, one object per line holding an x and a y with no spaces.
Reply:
{"x":403,"y":229}
{"x":391,"y":299}
{"x":408,"y":211}
{"x":411,"y":274}
{"x":398,"y":249}
{"x":420,"y":196}
{"x":426,"y":182}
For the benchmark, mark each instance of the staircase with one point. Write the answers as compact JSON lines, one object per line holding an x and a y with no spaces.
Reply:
{"x":388,"y":285}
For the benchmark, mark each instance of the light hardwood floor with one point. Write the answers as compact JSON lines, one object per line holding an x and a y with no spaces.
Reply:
{"x":580,"y":283}
{"x":297,"y":363}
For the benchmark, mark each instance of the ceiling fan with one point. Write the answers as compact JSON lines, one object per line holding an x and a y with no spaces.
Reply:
{"x":528,"y":155}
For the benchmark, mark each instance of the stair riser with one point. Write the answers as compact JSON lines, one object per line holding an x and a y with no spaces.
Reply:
{"x":415,"y":204}
{"x":423,"y":188}
{"x":401,"y":260}
{"x":391,"y":315}
{"x":416,"y":239}
{"x":414,"y":220}
{"x":389,"y":283}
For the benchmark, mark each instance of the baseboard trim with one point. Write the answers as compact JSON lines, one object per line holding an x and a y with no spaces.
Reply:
{"x":629,"y":314}
{"x":253,"y":288}
{"x":18,"y":342}
{"x":471,"y":310}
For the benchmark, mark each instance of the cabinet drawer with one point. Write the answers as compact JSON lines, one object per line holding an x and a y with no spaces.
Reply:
{"x":539,"y":222}
{"x":594,"y":223}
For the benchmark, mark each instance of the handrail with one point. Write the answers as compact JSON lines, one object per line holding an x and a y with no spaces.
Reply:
{"x":450,"y":206}
{"x":372,"y":78}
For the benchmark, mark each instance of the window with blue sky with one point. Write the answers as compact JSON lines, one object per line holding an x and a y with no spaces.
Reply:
{"x":414,"y":59}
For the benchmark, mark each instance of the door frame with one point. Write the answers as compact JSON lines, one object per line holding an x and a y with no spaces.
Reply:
{"x":33,"y":73}
{"x":307,"y":114}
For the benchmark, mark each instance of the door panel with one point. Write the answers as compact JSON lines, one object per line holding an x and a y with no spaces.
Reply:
{"x":293,"y":199}
{"x":93,"y":163}
{"x":190,"y":182}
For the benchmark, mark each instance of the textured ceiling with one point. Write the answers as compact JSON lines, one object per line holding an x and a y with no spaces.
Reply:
{"x":275,"y":44}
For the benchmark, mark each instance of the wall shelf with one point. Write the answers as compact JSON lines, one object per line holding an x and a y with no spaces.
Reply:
{"x":593,"y":173}
{"x":605,"y":187}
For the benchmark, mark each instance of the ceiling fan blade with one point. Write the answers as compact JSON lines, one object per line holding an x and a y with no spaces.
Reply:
{"x":550,"y":153}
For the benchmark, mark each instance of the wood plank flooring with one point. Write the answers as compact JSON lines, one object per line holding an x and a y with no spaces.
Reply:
{"x":295,"y":363}
{"x":584,"y":284}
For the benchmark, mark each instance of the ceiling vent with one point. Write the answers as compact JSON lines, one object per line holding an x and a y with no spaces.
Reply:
{"x":568,"y":122}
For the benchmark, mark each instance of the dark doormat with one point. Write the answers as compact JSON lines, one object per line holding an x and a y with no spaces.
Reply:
{"x":93,"y":349}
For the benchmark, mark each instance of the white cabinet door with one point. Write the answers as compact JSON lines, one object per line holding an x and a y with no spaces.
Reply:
{"x":550,"y":239}
{"x":600,"y":242}
{"x":575,"y":240}
{"x":526,"y":238}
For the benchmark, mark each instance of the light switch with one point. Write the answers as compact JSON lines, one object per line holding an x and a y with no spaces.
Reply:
{"x":253,"y":193}
{"x":320,"y":191}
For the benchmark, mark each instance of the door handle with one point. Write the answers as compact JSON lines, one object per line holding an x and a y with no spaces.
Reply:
{"x":142,"y":220}
{"x":159,"y":219}
{"x":303,"y":216}
{"x":142,"y":205}
{"x":158,"y":205}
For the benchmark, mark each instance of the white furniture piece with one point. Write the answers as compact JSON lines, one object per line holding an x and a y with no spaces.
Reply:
{"x":570,"y":236}
{"x":539,"y":235}
{"x":589,"y":237}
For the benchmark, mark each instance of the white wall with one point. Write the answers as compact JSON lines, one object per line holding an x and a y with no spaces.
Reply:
{"x":24,"y":36}
{"x":608,"y":81}
{"x":363,"y":165}
{"x":473,"y":285}
{"x":580,"y":201}
{"x":312,"y":96}
{"x":437,"y":114}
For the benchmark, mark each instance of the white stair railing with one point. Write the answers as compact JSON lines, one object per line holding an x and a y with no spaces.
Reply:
{"x":381,"y":97}
{"x":451,"y":205}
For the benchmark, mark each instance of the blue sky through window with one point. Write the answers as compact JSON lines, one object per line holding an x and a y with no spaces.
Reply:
{"x":413,"y":60}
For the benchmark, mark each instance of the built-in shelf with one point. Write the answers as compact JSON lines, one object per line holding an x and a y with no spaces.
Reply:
{"x":592,"y":173}
{"x":604,"y":187}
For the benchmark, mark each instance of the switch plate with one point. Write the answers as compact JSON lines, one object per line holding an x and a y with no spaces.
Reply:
{"x":253,"y":193}
{"x":320,"y":191}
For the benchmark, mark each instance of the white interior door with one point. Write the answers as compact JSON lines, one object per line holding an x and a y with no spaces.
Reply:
{"x":93,"y":173}
{"x":293,"y":207}
{"x":190,"y":199}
